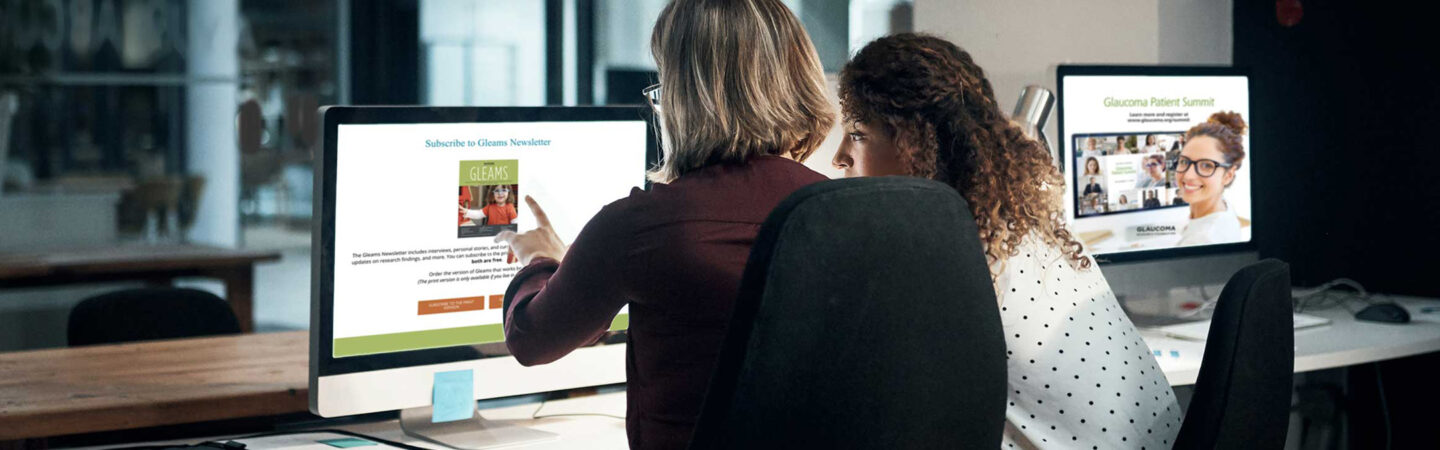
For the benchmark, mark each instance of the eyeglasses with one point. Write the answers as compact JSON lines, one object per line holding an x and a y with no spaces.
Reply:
{"x":652,"y":95}
{"x":1152,"y":163}
{"x":1203,"y":167}
{"x":505,"y":190}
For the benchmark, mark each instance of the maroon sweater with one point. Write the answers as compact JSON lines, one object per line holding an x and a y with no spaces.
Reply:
{"x":675,"y":255}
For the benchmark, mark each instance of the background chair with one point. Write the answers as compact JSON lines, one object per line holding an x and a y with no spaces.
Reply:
{"x":1242,"y":394}
{"x":148,"y":314}
{"x":866,"y":319}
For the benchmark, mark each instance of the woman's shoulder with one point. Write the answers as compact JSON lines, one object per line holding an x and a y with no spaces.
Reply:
{"x":776,"y":170}
{"x":1224,"y":219}
{"x":1036,"y":252}
{"x":1214,"y":227}
{"x":760,"y":180}
{"x":1037,"y":259}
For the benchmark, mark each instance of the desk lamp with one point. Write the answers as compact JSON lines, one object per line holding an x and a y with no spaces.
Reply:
{"x":1031,"y":113}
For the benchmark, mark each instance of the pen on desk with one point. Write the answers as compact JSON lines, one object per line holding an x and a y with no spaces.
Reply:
{"x":1429,"y":309}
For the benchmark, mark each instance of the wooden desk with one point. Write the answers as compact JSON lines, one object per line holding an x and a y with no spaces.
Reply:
{"x":577,"y":421}
{"x":127,"y":386}
{"x":156,"y":264}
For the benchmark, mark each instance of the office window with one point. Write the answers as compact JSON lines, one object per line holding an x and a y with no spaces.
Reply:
{"x":623,"y":64}
{"x":482,"y":53}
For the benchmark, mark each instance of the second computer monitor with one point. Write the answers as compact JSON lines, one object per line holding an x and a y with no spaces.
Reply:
{"x":1124,"y":143}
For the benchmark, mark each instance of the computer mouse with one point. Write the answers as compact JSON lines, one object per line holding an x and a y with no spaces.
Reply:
{"x":1384,"y":312}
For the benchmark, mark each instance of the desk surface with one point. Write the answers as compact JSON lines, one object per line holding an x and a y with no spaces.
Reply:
{"x":1344,"y":342}
{"x":66,"y":391}
{"x":575,"y":420}
{"x":118,"y":387}
{"x":575,"y":431}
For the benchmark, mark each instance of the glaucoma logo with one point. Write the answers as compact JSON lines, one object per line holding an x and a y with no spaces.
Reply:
{"x":1155,"y":230}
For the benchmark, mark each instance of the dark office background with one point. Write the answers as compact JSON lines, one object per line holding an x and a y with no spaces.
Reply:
{"x":1346,"y":106}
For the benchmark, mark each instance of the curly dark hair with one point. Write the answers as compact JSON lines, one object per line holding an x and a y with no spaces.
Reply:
{"x":936,"y":102}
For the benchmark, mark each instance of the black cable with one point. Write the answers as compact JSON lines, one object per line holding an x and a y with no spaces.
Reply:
{"x":221,"y":443}
{"x":1384,"y":406}
{"x":536,"y":414}
{"x":218,"y":444}
{"x":1325,"y":297}
{"x":612,"y":416}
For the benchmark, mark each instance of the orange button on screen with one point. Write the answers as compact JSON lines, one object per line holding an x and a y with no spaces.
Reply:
{"x":451,"y":305}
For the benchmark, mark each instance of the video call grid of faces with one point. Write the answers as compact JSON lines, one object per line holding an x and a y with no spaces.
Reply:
{"x":1126,"y":172}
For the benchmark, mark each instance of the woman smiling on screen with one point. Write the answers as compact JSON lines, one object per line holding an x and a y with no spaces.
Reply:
{"x":1213,"y":153}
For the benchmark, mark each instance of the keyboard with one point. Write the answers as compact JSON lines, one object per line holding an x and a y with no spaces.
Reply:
{"x":1197,"y":331}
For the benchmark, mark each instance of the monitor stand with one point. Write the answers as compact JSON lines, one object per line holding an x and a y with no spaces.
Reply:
{"x":1152,"y":292}
{"x":472,"y":433}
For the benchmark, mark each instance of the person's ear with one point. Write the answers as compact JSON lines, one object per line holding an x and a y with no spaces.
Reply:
{"x":1230,"y":175}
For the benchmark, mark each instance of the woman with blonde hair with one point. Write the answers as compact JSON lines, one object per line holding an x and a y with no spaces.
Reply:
{"x":741,"y":100}
{"x":1079,"y":374}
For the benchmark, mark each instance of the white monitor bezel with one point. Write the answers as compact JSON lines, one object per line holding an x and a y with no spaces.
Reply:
{"x":387,"y":382}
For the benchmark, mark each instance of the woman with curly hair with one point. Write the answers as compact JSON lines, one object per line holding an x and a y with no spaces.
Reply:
{"x":1079,"y":374}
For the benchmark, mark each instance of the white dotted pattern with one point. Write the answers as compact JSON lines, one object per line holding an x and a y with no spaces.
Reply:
{"x":1079,"y":374}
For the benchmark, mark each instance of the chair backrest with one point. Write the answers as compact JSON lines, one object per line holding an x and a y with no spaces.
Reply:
{"x":866,"y":319}
{"x":1242,"y":394}
{"x":147,"y":314}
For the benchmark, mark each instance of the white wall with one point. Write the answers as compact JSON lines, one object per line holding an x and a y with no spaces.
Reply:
{"x":1020,"y":42}
{"x":1196,"y":32}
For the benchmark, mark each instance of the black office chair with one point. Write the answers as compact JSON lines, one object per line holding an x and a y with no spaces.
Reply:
{"x":1242,"y":394}
{"x":147,"y":314}
{"x":866,"y":319}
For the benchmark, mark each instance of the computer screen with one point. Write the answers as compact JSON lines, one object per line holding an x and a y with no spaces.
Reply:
{"x":1123,"y":135}
{"x":409,"y":273}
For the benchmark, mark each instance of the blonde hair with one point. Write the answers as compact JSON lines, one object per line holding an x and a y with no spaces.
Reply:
{"x":740,"y":79}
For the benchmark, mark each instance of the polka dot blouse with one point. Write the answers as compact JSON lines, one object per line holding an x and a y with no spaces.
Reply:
{"x":1079,"y":374}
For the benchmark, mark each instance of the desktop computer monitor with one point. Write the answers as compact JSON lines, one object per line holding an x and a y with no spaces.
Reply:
{"x":408,"y":284}
{"x":1122,"y":132}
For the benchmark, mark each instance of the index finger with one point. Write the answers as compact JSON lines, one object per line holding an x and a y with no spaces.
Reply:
{"x":540,"y":216}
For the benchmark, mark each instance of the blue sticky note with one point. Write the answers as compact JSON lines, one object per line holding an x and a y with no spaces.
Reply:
{"x":453,"y":397}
